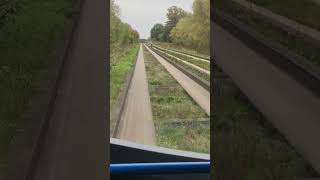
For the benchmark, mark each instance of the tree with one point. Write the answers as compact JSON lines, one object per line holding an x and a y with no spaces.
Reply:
{"x":121,"y":34}
{"x":174,"y":14}
{"x":201,"y":9}
{"x":194,"y":30}
{"x":157,"y":32}
{"x":114,"y":9}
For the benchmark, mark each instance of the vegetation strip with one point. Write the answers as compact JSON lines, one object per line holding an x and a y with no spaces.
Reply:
{"x":170,"y":101}
{"x":120,"y":77}
{"x":201,"y":81}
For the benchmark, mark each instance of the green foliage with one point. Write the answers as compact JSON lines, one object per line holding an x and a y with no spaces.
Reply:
{"x":174,"y":14}
{"x":162,"y":33}
{"x":157,"y":32}
{"x":194,"y":30}
{"x":121,"y":34}
{"x":185,"y":29}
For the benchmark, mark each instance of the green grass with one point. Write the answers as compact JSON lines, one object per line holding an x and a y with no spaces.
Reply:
{"x":121,"y":64}
{"x":197,"y":72}
{"x":195,"y":138}
{"x":295,"y":44}
{"x":303,"y":11}
{"x":171,"y":103}
{"x":202,"y":64}
{"x":30,"y":32}
{"x":203,"y":53}
{"x":245,"y":145}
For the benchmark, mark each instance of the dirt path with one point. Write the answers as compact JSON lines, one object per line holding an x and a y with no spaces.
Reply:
{"x":200,"y":95}
{"x":136,"y":122}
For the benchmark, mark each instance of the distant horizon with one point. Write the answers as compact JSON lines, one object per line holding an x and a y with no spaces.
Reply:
{"x":143,"y":14}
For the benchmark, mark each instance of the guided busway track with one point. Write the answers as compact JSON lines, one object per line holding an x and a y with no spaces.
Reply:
{"x":284,"y":88}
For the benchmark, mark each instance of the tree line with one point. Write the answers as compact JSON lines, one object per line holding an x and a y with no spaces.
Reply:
{"x":121,"y":34}
{"x":184,"y":28}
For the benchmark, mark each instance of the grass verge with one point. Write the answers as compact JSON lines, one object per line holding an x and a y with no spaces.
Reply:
{"x":121,"y":63}
{"x":293,"y":43}
{"x":170,"y":103}
{"x":30,"y":32}
{"x":245,"y":145}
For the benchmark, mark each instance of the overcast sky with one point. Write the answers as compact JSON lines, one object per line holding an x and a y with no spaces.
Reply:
{"x":143,"y":14}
